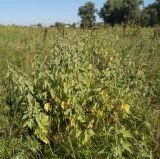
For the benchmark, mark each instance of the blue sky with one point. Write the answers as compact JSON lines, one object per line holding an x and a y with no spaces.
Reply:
{"x":26,"y":12}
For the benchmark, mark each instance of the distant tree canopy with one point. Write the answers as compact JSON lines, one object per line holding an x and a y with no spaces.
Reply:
{"x":87,"y":14}
{"x":59,"y":24}
{"x":39,"y":25}
{"x":150,"y":15}
{"x":121,"y":11}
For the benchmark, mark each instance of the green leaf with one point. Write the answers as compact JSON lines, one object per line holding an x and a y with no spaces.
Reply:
{"x":127,"y":134}
{"x":126,"y":146}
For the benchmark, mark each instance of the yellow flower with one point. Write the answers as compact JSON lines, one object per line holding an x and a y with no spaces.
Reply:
{"x":47,"y":107}
{"x":125,"y":108}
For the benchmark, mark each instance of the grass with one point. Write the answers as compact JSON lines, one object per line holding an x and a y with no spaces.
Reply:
{"x":79,"y":94}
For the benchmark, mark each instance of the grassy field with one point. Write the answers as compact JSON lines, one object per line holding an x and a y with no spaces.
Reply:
{"x":79,"y":94}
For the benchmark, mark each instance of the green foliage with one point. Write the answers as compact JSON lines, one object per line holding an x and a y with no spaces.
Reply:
{"x":59,"y":24}
{"x":121,"y":11}
{"x":83,"y":95}
{"x":131,"y":12}
{"x":39,"y":25}
{"x":19,"y":148}
{"x":150,"y":15}
{"x":87,"y":14}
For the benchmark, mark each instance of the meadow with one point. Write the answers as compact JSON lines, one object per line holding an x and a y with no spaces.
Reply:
{"x":79,"y":94}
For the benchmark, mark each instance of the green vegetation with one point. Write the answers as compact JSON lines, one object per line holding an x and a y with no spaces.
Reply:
{"x":121,"y":11}
{"x":87,"y":14}
{"x":79,"y":94}
{"x":131,"y":12}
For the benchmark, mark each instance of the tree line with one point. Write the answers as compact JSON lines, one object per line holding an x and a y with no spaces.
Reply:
{"x":132,"y":12}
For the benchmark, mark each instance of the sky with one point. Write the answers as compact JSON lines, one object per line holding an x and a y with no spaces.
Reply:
{"x":47,"y":12}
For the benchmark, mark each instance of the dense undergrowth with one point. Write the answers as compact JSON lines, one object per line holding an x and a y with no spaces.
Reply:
{"x":79,"y":94}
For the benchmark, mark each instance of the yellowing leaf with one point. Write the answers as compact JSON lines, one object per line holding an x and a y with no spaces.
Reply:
{"x":47,"y":107}
{"x":46,"y":141}
{"x":57,"y":100}
{"x":90,"y":125}
{"x":41,"y":135}
{"x":90,"y":66}
{"x":72,"y":122}
{"x":63,"y":105}
{"x":99,"y":113}
{"x":125,"y":108}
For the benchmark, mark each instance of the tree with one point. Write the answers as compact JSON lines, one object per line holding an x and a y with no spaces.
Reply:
{"x":87,"y":14}
{"x":39,"y":25}
{"x":157,"y":7}
{"x":151,"y":15}
{"x":51,"y":26}
{"x":73,"y":25}
{"x":59,"y":25}
{"x":132,"y":10}
{"x":121,"y":11}
{"x":111,"y":12}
